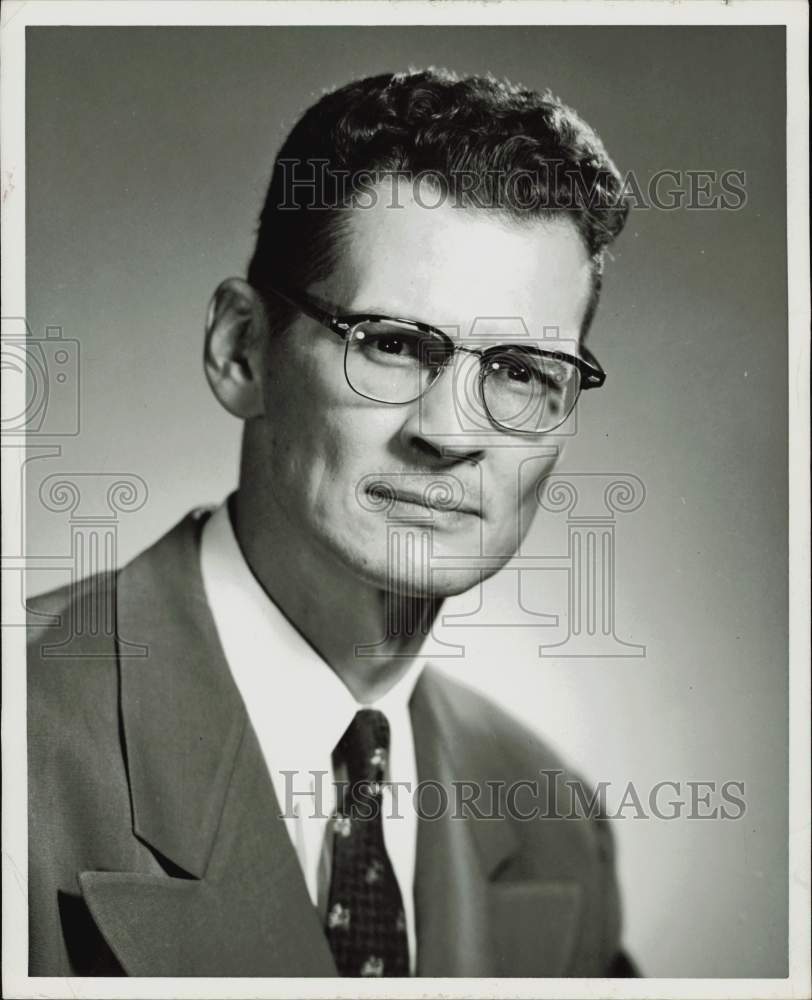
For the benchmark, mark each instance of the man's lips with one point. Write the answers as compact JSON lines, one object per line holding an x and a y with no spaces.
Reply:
{"x":436,"y":500}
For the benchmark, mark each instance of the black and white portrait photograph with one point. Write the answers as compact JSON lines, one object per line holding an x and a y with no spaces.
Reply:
{"x":405,"y":499}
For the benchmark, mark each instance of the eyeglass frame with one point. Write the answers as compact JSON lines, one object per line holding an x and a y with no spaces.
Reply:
{"x":593,"y":375}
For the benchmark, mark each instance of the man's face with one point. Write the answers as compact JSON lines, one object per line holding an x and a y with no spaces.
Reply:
{"x":321,"y":449}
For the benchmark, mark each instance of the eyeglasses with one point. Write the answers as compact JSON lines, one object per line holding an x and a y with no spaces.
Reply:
{"x":522,"y":389}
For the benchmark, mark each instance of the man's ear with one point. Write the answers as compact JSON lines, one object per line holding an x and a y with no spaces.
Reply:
{"x":235,"y":327}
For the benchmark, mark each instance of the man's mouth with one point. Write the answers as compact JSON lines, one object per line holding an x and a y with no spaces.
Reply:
{"x":437,"y":498}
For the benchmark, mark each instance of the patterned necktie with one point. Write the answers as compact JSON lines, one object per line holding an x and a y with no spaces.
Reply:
{"x":366,"y":924}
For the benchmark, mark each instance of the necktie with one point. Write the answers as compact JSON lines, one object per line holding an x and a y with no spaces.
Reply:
{"x":365,"y":923}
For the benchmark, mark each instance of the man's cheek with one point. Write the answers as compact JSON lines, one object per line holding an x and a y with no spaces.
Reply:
{"x":335,"y":471}
{"x":515,"y":515}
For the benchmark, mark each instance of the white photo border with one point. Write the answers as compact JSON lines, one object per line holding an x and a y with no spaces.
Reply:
{"x":16,"y":16}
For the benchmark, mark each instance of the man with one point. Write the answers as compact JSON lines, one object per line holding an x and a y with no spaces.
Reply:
{"x":180,"y":823}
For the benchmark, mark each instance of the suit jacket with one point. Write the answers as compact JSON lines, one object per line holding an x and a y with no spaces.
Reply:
{"x":156,"y":846}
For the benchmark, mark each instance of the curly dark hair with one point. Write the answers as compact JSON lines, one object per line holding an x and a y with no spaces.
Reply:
{"x":484,"y":144}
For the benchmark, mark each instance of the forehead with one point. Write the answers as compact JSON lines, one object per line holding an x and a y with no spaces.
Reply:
{"x":449,"y":266}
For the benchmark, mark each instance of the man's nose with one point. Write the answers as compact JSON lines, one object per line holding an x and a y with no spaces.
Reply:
{"x":447,"y":421}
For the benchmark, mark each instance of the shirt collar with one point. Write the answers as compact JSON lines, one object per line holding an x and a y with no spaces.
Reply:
{"x":298,"y":705}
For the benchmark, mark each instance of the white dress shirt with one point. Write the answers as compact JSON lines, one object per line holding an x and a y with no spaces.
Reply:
{"x":299,"y":709}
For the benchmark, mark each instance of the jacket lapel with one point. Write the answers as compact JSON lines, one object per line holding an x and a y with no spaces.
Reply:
{"x":202,"y":799}
{"x":451,"y":877}
{"x":472,"y":919}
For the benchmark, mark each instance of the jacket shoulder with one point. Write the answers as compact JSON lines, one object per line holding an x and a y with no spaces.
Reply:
{"x":511,"y":753}
{"x":483,"y":721}
{"x":72,"y":685}
{"x":67,"y":648}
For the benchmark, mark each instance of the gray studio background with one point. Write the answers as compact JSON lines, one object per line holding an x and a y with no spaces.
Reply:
{"x":148,"y":152}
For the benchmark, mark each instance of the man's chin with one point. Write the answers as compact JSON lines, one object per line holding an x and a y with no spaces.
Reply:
{"x":429,"y":584}
{"x":450,"y":582}
{"x":413,"y":563}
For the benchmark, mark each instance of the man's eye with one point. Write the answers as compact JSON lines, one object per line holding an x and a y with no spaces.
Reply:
{"x":519,"y":373}
{"x":390,"y":345}
{"x":384,"y":344}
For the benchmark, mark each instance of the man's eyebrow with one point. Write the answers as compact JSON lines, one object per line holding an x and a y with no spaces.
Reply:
{"x":387,"y":312}
{"x":532,"y":347}
{"x":406,"y":317}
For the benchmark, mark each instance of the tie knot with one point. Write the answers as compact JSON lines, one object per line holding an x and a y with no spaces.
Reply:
{"x":364,"y":747}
